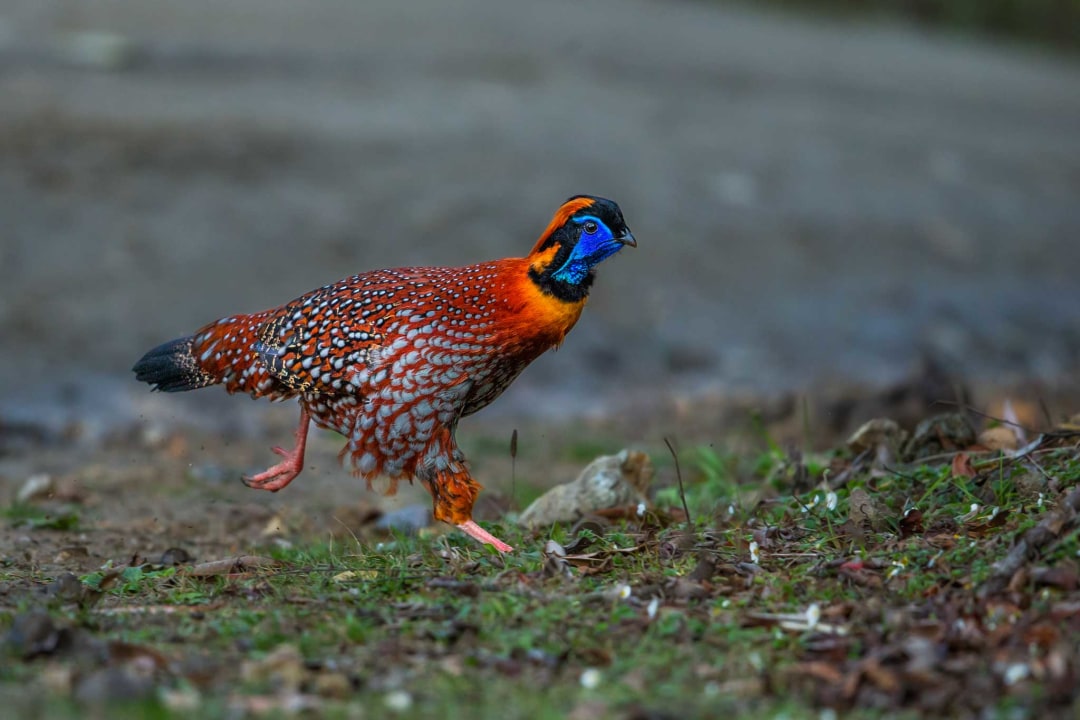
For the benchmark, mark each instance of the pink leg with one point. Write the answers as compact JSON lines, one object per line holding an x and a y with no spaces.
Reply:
{"x":280,"y":475}
{"x":476,"y":532}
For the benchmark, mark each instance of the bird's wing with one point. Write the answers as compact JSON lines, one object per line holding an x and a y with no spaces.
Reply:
{"x":318,"y":342}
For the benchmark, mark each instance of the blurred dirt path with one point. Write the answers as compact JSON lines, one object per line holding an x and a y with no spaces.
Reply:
{"x":813,"y":201}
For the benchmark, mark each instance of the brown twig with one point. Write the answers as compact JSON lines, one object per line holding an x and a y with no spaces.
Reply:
{"x":988,"y":416}
{"x":678,"y":476}
{"x":513,"y":466}
{"x":1028,"y":548}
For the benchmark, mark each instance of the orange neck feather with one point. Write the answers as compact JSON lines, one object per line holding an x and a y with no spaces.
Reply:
{"x":534,"y":315}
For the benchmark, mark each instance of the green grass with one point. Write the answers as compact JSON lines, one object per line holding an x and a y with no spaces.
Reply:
{"x":647,"y":617}
{"x":37,"y":518}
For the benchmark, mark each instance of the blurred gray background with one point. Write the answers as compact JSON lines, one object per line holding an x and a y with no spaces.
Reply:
{"x":816,"y":200}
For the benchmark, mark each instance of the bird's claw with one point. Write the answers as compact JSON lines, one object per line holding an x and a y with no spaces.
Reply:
{"x":278,"y":476}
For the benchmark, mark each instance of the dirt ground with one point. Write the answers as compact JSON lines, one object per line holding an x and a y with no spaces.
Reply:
{"x":817,"y":205}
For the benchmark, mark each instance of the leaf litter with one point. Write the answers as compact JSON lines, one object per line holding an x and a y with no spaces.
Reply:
{"x":938,"y":577}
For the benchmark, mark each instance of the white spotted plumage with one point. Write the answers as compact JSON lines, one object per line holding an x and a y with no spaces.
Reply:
{"x":392,"y":359}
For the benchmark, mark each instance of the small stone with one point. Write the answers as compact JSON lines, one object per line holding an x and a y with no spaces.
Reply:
{"x":36,"y":487}
{"x":609,"y":481}
{"x":175,"y":556}
{"x":66,"y":588}
{"x":408,"y":520}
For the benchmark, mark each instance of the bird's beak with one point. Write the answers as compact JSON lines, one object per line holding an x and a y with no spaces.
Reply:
{"x":627,"y":238}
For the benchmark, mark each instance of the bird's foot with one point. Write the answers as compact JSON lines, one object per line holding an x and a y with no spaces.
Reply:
{"x":280,"y":475}
{"x":473,"y":530}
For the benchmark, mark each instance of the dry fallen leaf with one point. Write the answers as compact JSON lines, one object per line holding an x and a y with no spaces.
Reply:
{"x":882,"y":436}
{"x":911,"y":523}
{"x":864,"y":512}
{"x":1000,"y":438}
{"x":961,"y":466}
{"x":949,"y":432}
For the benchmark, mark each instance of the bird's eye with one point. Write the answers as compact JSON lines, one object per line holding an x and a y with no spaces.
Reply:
{"x":591,"y":227}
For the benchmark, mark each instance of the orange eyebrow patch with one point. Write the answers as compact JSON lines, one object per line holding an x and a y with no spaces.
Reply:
{"x":565,"y":211}
{"x":539,"y":261}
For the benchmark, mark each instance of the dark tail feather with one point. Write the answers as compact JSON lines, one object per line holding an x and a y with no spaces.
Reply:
{"x":172,"y":367}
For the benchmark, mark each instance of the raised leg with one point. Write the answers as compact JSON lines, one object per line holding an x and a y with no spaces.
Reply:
{"x":280,"y":475}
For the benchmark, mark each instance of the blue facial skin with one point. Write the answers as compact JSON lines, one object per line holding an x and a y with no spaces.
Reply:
{"x":591,"y":249}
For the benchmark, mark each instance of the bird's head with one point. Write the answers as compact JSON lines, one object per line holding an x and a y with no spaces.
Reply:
{"x":584,"y":232}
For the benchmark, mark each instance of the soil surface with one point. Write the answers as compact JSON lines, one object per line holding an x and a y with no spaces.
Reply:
{"x":814,"y":203}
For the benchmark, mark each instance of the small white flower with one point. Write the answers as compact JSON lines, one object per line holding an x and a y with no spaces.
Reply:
{"x":970,"y":514}
{"x":397,"y":701}
{"x":813,"y":615}
{"x":623,"y":592}
{"x":1040,"y":502}
{"x":830,"y":501}
{"x":754,"y":556}
{"x":654,"y":605}
{"x":641,"y":509}
{"x":590,"y":679}
{"x":1015,"y":673}
{"x":731,"y":508}
{"x":994,"y":512}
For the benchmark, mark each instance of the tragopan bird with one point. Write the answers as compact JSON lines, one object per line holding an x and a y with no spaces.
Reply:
{"x":392,"y":359}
